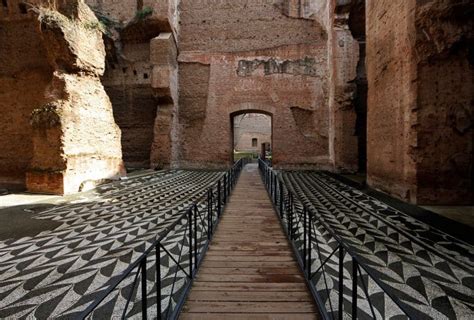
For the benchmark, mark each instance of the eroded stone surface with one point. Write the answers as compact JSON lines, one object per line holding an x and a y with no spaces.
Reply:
{"x":68,"y":134}
{"x":420,"y":100}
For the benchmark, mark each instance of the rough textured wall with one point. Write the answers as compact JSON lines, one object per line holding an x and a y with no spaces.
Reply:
{"x":252,"y":126}
{"x":420,"y":74}
{"x":250,"y":55}
{"x":127,"y":81}
{"x":140,"y":77}
{"x":24,"y":75}
{"x":74,"y":135}
{"x":391,"y":73}
{"x":124,"y":11}
{"x":445,"y":117}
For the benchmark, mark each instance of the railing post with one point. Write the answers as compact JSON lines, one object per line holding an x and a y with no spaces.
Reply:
{"x":269,"y":181}
{"x":305,"y":260}
{"x":158,"y":280}
{"x":209,"y":214}
{"x":290,"y":218}
{"x":354,"y":288}
{"x":225,"y":188}
{"x":275,"y":189}
{"x":191,"y":236}
{"x":341,"y":283}
{"x":219,"y":198}
{"x":310,"y":246}
{"x":281,"y":200}
{"x":195,"y":209}
{"x":144,"y":293}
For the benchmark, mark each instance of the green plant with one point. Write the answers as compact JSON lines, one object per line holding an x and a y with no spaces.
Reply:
{"x":144,"y":13}
{"x":95,"y":25}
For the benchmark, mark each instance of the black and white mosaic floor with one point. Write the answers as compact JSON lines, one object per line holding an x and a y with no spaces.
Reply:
{"x":58,"y":273}
{"x":426,"y":273}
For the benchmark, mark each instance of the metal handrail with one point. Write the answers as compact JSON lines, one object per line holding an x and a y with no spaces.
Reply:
{"x":285,"y":205}
{"x":215,"y":206}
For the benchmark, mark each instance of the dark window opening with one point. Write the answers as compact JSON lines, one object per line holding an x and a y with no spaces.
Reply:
{"x":145,"y":76}
{"x":254,"y":142}
{"x":5,"y":3}
{"x":135,"y":72}
{"x":23,"y":8}
{"x":124,"y":70}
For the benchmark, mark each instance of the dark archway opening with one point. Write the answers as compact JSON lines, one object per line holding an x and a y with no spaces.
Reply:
{"x":252,"y":135}
{"x":357,"y":27}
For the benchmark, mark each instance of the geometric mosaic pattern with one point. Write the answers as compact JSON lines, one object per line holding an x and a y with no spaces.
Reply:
{"x":424,"y":271}
{"x":57,"y":273}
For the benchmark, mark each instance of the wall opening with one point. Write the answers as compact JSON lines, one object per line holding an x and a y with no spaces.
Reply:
{"x":251,"y":135}
{"x":357,"y":28}
{"x":254,"y":142}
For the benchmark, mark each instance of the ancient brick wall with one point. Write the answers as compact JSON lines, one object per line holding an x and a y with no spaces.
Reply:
{"x":24,"y":75}
{"x":420,"y":76}
{"x":139,"y":76}
{"x":445,"y":102}
{"x":391,"y":71}
{"x":249,"y":55}
{"x":128,"y":84}
{"x":65,"y":133}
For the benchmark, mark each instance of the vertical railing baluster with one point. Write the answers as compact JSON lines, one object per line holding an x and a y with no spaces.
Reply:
{"x":305,"y":261}
{"x":275,"y":189}
{"x":144,"y":291}
{"x":158,"y":280}
{"x":354,"y":288}
{"x":195,"y":211}
{"x":190,"y":222}
{"x":281,"y":200}
{"x":290,"y":219}
{"x":209,"y":215}
{"x":219,"y":198}
{"x":225,"y":188}
{"x":310,"y":246}
{"x":341,"y":282}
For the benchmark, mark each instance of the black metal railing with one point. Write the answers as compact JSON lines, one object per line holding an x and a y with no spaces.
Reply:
{"x":339,"y":279}
{"x":182,"y":245}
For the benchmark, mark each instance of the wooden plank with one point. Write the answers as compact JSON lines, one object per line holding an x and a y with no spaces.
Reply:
{"x":232,"y":271}
{"x":246,"y":286}
{"x":249,"y":271}
{"x":249,"y":316}
{"x":249,"y":307}
{"x":274,"y":278}
{"x":250,"y":296}
{"x":247,"y":264}
{"x":212,"y":257}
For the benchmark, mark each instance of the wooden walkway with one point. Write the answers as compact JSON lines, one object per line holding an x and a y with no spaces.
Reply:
{"x":249,"y":271}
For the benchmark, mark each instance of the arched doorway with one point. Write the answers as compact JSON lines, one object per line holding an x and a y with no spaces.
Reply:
{"x":252,"y":134}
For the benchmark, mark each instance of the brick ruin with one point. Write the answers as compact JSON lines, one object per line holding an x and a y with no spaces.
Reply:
{"x":58,"y":130}
{"x":382,"y":87}
{"x":420,"y":100}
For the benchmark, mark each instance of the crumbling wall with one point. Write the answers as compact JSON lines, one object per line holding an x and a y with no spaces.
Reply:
{"x":420,"y":78}
{"x":139,"y":76}
{"x":391,"y":74}
{"x":344,"y":58}
{"x":241,"y":55}
{"x":445,"y":130}
{"x":74,"y":135}
{"x":25,"y":74}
